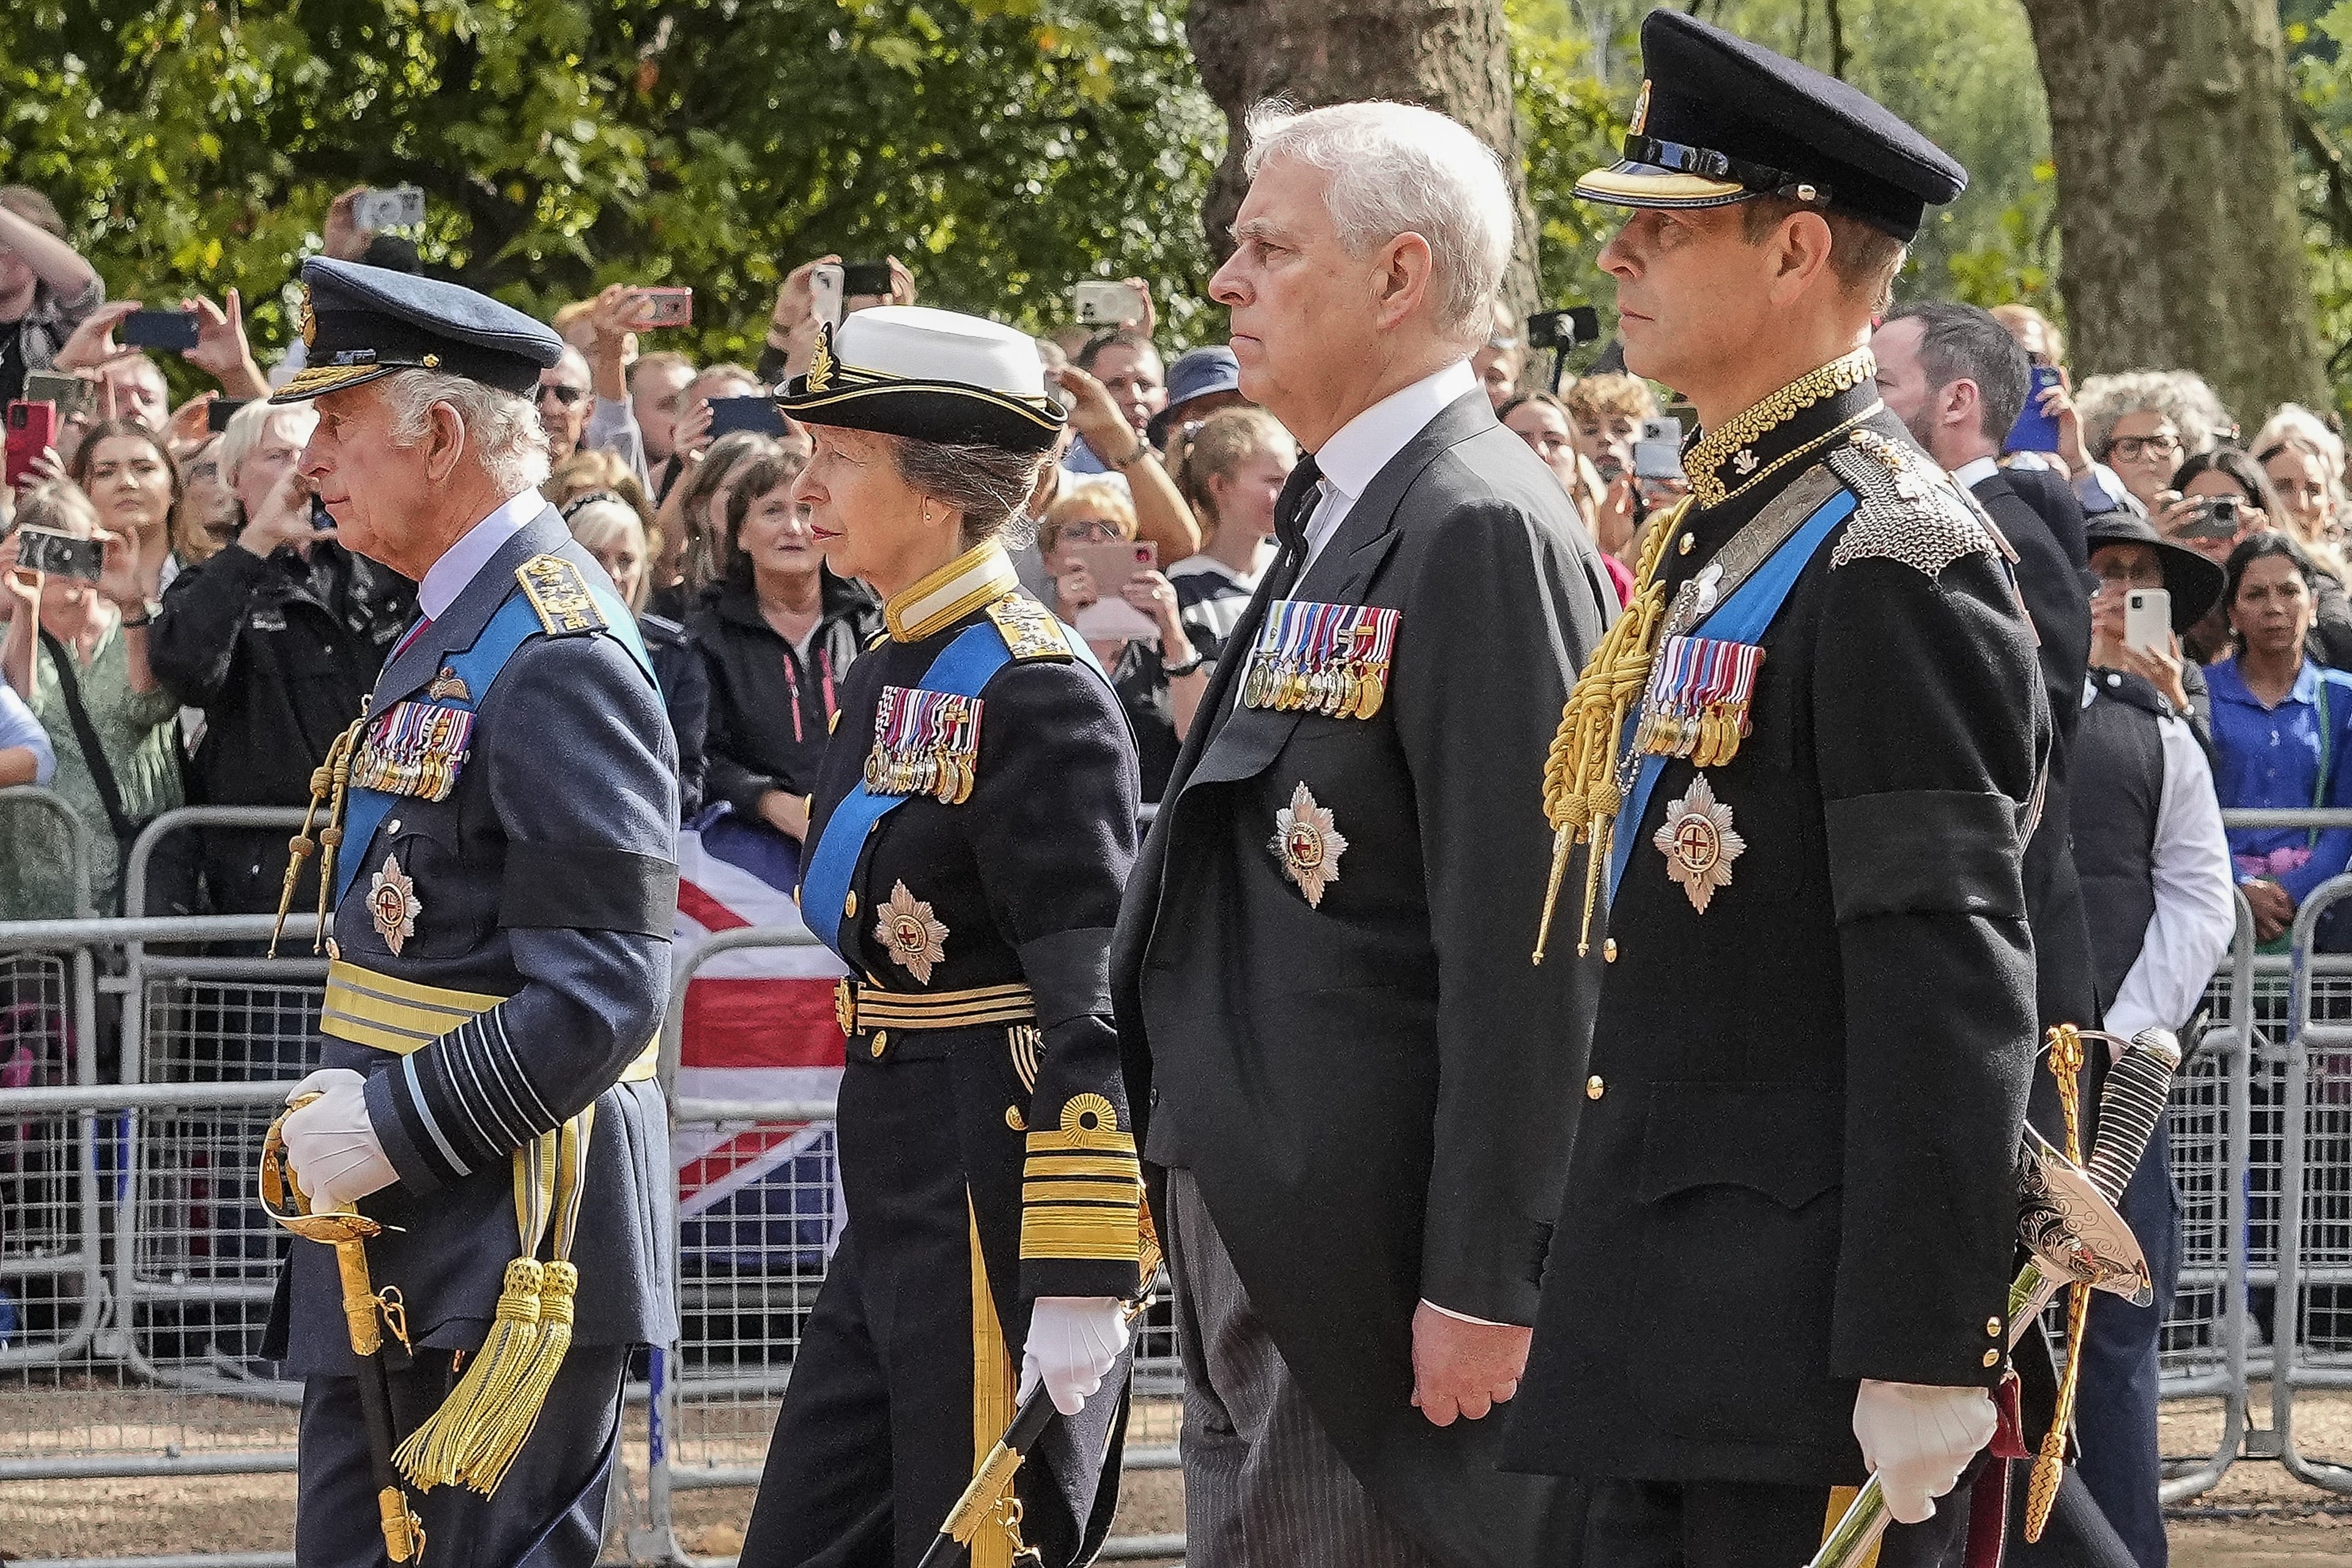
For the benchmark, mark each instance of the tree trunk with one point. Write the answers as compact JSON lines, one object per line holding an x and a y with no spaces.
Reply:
{"x":1453,"y":56}
{"x":2183,"y":244}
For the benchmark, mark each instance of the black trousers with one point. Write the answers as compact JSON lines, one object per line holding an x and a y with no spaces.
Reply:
{"x":1749,"y":1524}
{"x":549,"y":1513}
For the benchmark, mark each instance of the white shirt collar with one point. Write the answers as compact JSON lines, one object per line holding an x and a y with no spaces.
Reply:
{"x":1969,"y":475}
{"x":446,"y":578}
{"x":1365,"y":443}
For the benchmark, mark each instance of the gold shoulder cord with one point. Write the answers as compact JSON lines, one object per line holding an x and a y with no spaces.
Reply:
{"x":1581,"y":796}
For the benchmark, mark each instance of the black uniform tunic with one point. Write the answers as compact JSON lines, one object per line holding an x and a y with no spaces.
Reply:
{"x":1794,"y":1165}
{"x":906,"y":1370}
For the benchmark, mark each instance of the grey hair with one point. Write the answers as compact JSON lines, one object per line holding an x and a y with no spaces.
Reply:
{"x":2180,"y":396}
{"x":503,"y":429}
{"x":1394,"y":168}
{"x":989,"y":485}
{"x":2293,"y":424}
{"x":245,"y":427}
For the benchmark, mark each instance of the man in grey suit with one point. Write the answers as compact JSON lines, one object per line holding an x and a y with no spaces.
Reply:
{"x":1356,"y":1092}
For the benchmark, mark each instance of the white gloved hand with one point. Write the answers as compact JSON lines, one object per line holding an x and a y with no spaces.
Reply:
{"x":331,"y":1145}
{"x":1919,"y":1438}
{"x":1074,"y":1341}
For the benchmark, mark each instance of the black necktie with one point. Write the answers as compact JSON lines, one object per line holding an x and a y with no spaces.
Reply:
{"x":1292,"y":509}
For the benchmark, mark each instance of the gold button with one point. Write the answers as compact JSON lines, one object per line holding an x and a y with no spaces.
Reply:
{"x":1688,"y":543}
{"x":881,"y":1041}
{"x":832,"y":723}
{"x":1593,"y":1088}
{"x":849,"y":906}
{"x":1609,"y":950}
{"x":392,"y":827}
{"x":1992,"y":1327}
{"x":1013,"y":1119}
{"x":1993,"y":1358}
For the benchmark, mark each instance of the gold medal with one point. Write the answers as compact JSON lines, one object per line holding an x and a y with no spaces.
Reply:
{"x":1699,"y":843}
{"x":1376,"y":690}
{"x":393,"y":905}
{"x":913,"y":939}
{"x":1308,"y":844}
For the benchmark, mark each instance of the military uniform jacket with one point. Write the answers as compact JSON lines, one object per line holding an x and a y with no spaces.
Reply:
{"x":1794,"y":1167}
{"x":547,"y":877}
{"x":1374,"y":1091}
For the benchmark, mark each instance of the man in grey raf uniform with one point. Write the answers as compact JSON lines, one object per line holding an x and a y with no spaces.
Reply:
{"x":504,"y":886}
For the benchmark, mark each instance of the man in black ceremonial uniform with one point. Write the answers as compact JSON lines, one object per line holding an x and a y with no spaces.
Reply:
{"x":502,"y":896}
{"x":1784,"y":1249}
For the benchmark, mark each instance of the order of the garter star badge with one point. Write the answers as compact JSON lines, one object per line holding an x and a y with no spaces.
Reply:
{"x":394,"y":905}
{"x":1309,"y":845}
{"x":1699,"y":843}
{"x":915,"y":939}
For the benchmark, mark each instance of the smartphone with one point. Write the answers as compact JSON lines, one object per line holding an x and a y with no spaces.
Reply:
{"x":74,"y":398}
{"x":1100,"y":304}
{"x":32,"y":429}
{"x":59,"y":554}
{"x":866,"y":280}
{"x":665,"y":306}
{"x":221,"y":410}
{"x":401,"y":206}
{"x":1111,"y":565}
{"x":826,"y":292}
{"x":754,"y":412}
{"x":1563,"y":329}
{"x":1658,"y":451}
{"x":2034,"y":430}
{"x":159,"y":329}
{"x":2147,"y":619}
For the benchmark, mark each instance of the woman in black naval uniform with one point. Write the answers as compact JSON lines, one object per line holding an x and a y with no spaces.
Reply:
{"x":972,"y":825}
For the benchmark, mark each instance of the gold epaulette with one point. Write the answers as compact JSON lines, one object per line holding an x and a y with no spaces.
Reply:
{"x":1029,"y":628}
{"x":560,"y":594}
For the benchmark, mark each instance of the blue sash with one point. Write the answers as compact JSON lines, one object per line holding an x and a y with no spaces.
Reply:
{"x":514,"y":624}
{"x":1743,"y":617}
{"x":963,"y":667}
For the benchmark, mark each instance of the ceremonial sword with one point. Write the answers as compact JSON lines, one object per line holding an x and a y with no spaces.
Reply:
{"x":2070,"y":1226}
{"x":367,"y":1312}
{"x":951,"y":1548}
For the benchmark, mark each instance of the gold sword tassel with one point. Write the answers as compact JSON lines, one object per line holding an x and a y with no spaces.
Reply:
{"x":2049,"y":1464}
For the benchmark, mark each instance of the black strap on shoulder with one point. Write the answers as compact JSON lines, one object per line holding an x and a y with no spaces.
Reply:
{"x":101,"y":770}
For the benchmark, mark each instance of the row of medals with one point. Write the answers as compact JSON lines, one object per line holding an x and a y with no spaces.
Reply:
{"x":1710,"y":738}
{"x":946,"y":776}
{"x":1349,"y":689}
{"x":426,"y":773}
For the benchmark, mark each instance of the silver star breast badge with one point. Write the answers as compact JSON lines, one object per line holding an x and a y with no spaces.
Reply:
{"x":1309,"y":845}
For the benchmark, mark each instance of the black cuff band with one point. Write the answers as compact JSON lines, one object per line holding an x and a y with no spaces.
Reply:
{"x":1925,"y":852}
{"x":588,"y":888}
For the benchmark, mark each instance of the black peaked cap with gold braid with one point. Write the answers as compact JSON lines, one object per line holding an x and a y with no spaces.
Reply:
{"x":929,"y":375}
{"x":362,"y":323}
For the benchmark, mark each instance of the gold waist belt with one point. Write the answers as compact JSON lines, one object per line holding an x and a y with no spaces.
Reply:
{"x":857,"y":1006}
{"x":370,"y":1008}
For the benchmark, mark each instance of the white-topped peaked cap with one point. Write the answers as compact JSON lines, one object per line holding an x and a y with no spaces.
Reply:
{"x":931,"y":375}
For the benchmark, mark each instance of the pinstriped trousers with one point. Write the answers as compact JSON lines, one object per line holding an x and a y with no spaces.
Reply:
{"x":1264,"y":1488}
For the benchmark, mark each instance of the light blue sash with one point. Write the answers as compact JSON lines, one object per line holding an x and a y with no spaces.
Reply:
{"x":515,"y":624}
{"x":1743,"y":618}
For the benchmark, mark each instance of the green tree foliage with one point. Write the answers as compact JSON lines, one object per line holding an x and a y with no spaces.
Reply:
{"x":1003,"y":148}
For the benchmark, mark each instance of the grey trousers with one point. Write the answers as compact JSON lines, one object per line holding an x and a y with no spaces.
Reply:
{"x":1264,"y":1488}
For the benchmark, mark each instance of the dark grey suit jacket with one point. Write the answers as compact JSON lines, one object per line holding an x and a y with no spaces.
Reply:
{"x":1376,"y":1095}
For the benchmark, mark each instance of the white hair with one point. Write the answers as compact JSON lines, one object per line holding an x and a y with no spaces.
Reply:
{"x":1391,"y":169}
{"x":503,"y":429}
{"x":2295,"y":426}
{"x":242,"y":432}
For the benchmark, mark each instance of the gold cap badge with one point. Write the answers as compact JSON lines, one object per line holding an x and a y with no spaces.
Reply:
{"x":820,"y":362}
{"x":1641,"y":112}
{"x":310,"y":322}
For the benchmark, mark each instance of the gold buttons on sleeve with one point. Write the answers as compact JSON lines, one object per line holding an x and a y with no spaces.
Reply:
{"x":1609,"y":950}
{"x":881,"y":1043}
{"x":849,"y":906}
{"x":1013,"y":1119}
{"x":1593,"y":1088}
{"x":1993,"y":1358}
{"x":1992,"y":1327}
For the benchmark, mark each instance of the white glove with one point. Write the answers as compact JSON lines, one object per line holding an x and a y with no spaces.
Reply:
{"x":1919,"y":1438}
{"x":1072,"y":1341}
{"x":331,"y":1145}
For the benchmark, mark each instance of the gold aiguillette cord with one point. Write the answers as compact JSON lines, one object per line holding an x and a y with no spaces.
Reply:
{"x":330,"y":784}
{"x":2049,"y":1462}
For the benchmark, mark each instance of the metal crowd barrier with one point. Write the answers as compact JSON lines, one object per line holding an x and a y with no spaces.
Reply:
{"x":135,"y":1270}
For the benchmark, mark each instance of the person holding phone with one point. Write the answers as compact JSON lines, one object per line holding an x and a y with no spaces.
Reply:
{"x":47,"y":288}
{"x":1160,"y":678}
{"x":127,"y":472}
{"x":75,"y":650}
{"x":970,"y":829}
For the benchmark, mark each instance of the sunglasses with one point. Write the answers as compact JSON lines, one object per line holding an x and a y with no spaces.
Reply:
{"x":566,"y":395}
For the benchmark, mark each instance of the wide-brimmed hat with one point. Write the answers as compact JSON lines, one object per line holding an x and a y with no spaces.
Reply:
{"x":2194,"y":583}
{"x":930,"y":375}
{"x":360,"y":322}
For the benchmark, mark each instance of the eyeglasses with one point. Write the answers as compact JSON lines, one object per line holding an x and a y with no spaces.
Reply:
{"x":2115,"y":579}
{"x":1090,"y":528}
{"x":566,"y":395}
{"x":2135,"y":448}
